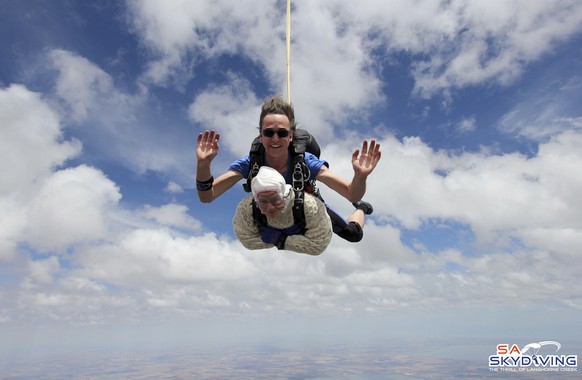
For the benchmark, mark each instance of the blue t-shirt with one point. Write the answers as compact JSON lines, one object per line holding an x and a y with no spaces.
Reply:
{"x":313,"y":163}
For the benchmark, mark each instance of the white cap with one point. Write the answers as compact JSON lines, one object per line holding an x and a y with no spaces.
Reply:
{"x":268,"y":179}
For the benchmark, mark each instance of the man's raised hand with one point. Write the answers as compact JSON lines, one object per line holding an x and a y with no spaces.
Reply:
{"x":365,"y":163}
{"x":207,"y":145}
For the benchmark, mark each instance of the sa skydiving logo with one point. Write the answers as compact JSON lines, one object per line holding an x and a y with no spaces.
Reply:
{"x":532,"y":357}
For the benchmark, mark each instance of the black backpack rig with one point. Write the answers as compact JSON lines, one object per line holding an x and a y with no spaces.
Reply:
{"x":302,"y":142}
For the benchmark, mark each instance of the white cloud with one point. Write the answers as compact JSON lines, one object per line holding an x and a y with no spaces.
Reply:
{"x":174,"y":188}
{"x":12,"y":227}
{"x":333,"y":42}
{"x":81,"y":84}
{"x":153,"y":257}
{"x":497,"y":196}
{"x":232,"y":110}
{"x":31,"y":147}
{"x":468,"y":124}
{"x":91,"y":98}
{"x":180,"y":33}
{"x":336,"y":64}
{"x":42,"y":271}
{"x":494,"y":41}
{"x":31,"y":144}
{"x":466,"y":42}
{"x":333,"y":71}
{"x":171,"y":215}
{"x":124,"y":127}
{"x":71,"y":207}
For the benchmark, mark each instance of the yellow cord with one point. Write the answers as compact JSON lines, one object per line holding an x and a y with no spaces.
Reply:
{"x":288,"y":51}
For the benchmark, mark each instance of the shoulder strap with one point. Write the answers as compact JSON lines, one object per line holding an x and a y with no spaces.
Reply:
{"x":256,"y":161}
{"x":300,"y":176}
{"x":259,"y":218}
{"x":304,"y":141}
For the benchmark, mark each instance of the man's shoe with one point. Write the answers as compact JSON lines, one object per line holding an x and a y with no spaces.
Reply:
{"x":364,"y":206}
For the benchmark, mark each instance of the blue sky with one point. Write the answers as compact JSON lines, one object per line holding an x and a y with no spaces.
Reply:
{"x":477,"y":198}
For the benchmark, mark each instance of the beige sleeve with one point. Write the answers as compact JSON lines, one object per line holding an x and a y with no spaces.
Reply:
{"x":319,"y":229}
{"x":244,"y":227}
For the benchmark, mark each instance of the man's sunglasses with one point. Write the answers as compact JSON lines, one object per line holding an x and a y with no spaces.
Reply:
{"x":279,"y":132}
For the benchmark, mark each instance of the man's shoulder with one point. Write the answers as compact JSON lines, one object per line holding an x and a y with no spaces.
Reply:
{"x":241,"y":165}
{"x":313,"y":162}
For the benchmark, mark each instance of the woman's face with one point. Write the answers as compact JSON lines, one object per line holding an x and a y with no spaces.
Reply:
{"x":270,"y":203}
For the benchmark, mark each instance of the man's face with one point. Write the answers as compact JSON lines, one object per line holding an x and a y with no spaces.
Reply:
{"x":274,"y":125}
{"x":270,"y":203}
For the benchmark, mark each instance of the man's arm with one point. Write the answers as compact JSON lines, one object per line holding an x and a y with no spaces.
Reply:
{"x":352,"y":191}
{"x":363,"y":165}
{"x":219,"y":186}
{"x":210,"y":188}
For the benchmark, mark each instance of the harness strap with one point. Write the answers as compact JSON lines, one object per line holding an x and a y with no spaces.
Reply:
{"x":259,"y":218}
{"x":299,"y":180}
{"x":256,"y":161}
{"x":298,"y":183}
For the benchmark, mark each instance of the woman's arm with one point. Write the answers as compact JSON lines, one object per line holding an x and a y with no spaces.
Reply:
{"x":244,"y":227}
{"x":318,"y":229}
